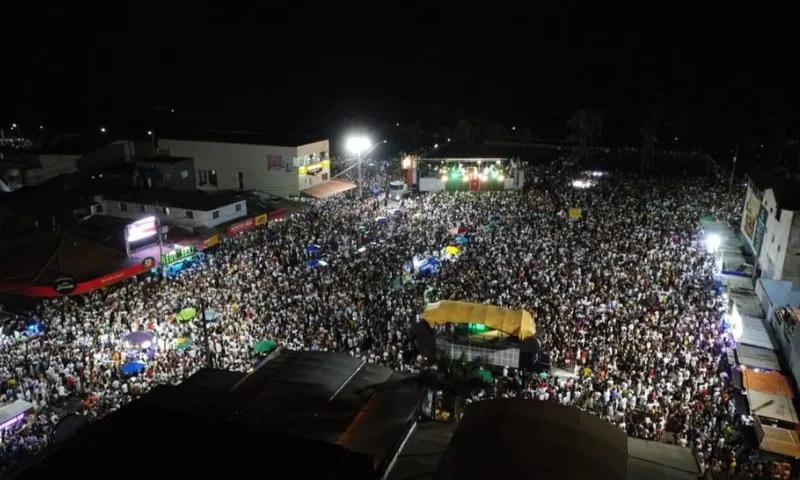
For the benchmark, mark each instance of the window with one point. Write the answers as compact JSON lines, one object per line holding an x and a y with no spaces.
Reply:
{"x":184,"y":174}
{"x":324,"y":176}
{"x":189,"y":214}
{"x":98,"y":208}
{"x":240,"y":180}
{"x":323,"y":155}
{"x":238,"y":207}
{"x":165,"y":210}
{"x":202,"y":177}
{"x":212,"y":178}
{"x":215,"y":214}
{"x":779,"y":248}
{"x":123,"y":207}
{"x":142,"y":207}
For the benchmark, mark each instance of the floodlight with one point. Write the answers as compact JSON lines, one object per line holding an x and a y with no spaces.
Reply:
{"x":358,"y":144}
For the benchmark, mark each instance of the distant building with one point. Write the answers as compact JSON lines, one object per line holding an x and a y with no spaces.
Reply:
{"x":186,"y":209}
{"x":281,"y":166}
{"x":770,"y":225}
{"x":165,"y":172}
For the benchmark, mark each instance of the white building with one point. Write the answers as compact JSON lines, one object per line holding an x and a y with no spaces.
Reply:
{"x":189,"y":210}
{"x":770,"y":226}
{"x":243,"y":161}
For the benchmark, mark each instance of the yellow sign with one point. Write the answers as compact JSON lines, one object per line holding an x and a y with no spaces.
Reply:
{"x":326,"y":164}
{"x":211,"y":241}
{"x":750,"y":215}
{"x":302,"y":170}
{"x":575,"y":213}
{"x":315,"y":166}
{"x":261,"y":219}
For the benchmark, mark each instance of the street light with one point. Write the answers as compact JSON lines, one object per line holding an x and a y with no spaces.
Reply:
{"x":152,"y":139}
{"x":358,"y":144}
{"x":102,"y":129}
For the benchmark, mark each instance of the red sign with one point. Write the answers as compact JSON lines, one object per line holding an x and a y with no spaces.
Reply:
{"x":242,"y":226}
{"x":275,"y":214}
{"x":80,"y":289}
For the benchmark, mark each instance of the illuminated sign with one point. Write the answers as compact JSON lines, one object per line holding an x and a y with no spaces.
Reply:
{"x":302,"y":171}
{"x":240,"y":227}
{"x":141,"y":229}
{"x":211,"y":241}
{"x":177,"y":255}
{"x":261,"y":219}
{"x":326,"y":164}
{"x":315,"y":166}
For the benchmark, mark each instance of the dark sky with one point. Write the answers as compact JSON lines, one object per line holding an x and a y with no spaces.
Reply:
{"x":262,"y":67}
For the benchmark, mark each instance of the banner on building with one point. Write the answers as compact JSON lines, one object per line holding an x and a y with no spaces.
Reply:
{"x":761,"y":227}
{"x":240,"y":227}
{"x":210,"y":241}
{"x":750,"y":214}
{"x":261,"y":219}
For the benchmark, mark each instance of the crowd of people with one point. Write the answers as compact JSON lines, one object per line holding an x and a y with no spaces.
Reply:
{"x":622,"y":297}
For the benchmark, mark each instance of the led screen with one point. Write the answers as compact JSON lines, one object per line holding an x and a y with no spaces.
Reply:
{"x":141,"y":229}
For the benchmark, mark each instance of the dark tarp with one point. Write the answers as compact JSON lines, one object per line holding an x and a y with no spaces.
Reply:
{"x":516,"y":438}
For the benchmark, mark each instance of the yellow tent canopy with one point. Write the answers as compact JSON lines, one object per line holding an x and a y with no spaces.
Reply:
{"x":510,"y":322}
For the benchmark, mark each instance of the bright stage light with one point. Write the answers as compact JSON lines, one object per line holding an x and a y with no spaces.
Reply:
{"x":581,"y":184}
{"x":484,"y":178}
{"x":735,"y":320}
{"x":444,"y":178}
{"x":358,"y":144}
{"x":501,"y":177}
{"x":141,"y":229}
{"x":713,"y":242}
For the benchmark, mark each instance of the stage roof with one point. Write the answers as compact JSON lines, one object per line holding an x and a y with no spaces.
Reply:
{"x":516,"y":438}
{"x":511,"y":322}
{"x":329,"y":188}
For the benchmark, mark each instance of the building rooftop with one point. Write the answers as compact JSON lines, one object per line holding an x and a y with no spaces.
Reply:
{"x":72,"y":144}
{"x":786,"y":189}
{"x":298,"y":415}
{"x":163,"y":159}
{"x":187,"y":199}
{"x":248,"y":138}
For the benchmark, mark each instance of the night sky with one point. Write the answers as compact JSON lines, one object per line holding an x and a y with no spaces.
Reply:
{"x":723,"y":71}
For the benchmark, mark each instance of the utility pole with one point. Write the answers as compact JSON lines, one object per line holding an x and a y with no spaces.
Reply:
{"x":160,"y":243}
{"x":733,"y":167}
{"x":205,"y":332}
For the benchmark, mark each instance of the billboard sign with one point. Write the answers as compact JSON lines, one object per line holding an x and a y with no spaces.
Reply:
{"x":761,"y":227}
{"x":240,"y":227}
{"x":181,"y":253}
{"x":141,"y":229}
{"x":750,"y":214}
{"x":65,"y":284}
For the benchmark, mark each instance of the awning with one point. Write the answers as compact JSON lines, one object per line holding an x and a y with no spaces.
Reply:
{"x":508,"y":321}
{"x":780,"y":441}
{"x":326,"y":189}
{"x":755,"y":333}
{"x":772,"y":383}
{"x":757,"y":357}
{"x":775,"y":407}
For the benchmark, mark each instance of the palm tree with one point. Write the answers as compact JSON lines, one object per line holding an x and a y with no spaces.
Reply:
{"x":586,"y":128}
{"x":456,"y":378}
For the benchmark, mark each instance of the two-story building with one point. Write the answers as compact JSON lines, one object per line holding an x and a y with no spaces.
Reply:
{"x":770,"y":226}
{"x":186,"y":209}
{"x":283,"y":166}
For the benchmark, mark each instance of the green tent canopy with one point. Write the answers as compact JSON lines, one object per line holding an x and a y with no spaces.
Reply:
{"x":485,"y":375}
{"x":265,"y":346}
{"x":184,"y":343}
{"x":186,"y":314}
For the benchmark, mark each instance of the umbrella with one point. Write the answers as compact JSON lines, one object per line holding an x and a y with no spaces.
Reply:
{"x":183,"y":343}
{"x":315,"y":262}
{"x":458,"y":230}
{"x":495,"y":218}
{"x":419,"y":215}
{"x":397,"y":212}
{"x":452,"y":250}
{"x":461,"y":240}
{"x":312,"y":248}
{"x":186,"y":314}
{"x":382,"y":220}
{"x":490,"y":227}
{"x":139,"y":338}
{"x":132,"y":368}
{"x":377,"y":190}
{"x":212,"y":315}
{"x":265,"y":346}
{"x":485,"y":375}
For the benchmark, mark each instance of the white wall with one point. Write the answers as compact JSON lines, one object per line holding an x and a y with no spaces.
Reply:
{"x":228,"y":159}
{"x":791,"y":264}
{"x":776,"y":238}
{"x":176,"y":216}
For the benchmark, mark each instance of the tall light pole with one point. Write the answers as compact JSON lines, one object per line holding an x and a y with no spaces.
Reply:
{"x":152,"y":139}
{"x":359,"y":145}
{"x":733,"y":168}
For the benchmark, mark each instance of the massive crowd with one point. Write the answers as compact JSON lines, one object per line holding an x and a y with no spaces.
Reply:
{"x":622,"y":297}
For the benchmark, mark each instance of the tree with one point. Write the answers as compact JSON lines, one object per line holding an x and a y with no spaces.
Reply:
{"x":586,"y":128}
{"x":456,"y":378}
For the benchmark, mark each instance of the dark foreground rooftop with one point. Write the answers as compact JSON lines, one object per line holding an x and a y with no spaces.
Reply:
{"x":301,"y":415}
